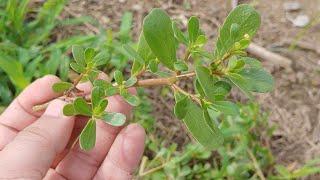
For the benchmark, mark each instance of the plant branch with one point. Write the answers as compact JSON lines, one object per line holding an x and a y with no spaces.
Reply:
{"x":192,"y":96}
{"x":140,"y":83}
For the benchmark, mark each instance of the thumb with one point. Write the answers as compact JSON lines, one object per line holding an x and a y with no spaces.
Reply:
{"x":33,"y":150}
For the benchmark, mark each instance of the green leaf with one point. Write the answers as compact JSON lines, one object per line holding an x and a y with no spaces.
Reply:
{"x":131,"y":81}
{"x":93,"y":75}
{"x":118,"y":77}
{"x":201,"y":40}
{"x":258,"y":80}
{"x":198,"y":88}
{"x":133,"y":53}
{"x":129,"y":98}
{"x":221,"y":88}
{"x":101,"y":83}
{"x":180,"y":66}
{"x":114,"y":119}
{"x":181,"y":107}
{"x":240,"y":82}
{"x":68,"y":110}
{"x":234,"y":31}
{"x":226,"y":107}
{"x":244,"y":43}
{"x":14,"y":70}
{"x":193,"y":28}
{"x":144,"y":50}
{"x":77,"y":67}
{"x":87,"y":137}
{"x":82,"y":107}
{"x":153,"y":66}
{"x":137,"y":68}
{"x":101,"y":58}
{"x":60,"y":87}
{"x":78,"y":54}
{"x":205,"y":132}
{"x":101,"y":107}
{"x":251,"y":62}
{"x":179,"y":34}
{"x":97,"y":94}
{"x":157,"y":30}
{"x":89,"y":54}
{"x":248,"y":22}
{"x":110,"y":91}
{"x":206,"y":80}
{"x":125,"y":27}
{"x":235,"y":65}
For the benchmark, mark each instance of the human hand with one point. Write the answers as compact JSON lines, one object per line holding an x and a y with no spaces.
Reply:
{"x":38,"y":145}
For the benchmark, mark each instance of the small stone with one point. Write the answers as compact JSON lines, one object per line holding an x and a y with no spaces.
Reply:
{"x":136,"y":7}
{"x":301,"y":20}
{"x":300,"y":77}
{"x":291,"y":6}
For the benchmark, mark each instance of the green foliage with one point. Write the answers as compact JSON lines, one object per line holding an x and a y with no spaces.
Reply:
{"x":243,"y":154}
{"x":87,"y":137}
{"x":201,"y":126}
{"x":157,"y":30}
{"x":193,"y":28}
{"x":26,"y":50}
{"x":61,"y":87}
{"x":241,"y":24}
{"x":211,"y":118}
{"x":114,"y":119}
{"x":158,"y":43}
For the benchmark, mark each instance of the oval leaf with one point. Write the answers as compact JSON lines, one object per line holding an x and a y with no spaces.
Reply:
{"x":193,"y":28}
{"x":82,"y":107}
{"x":68,"y":110}
{"x":118,"y":77}
{"x":258,"y":80}
{"x":89,"y":54}
{"x":205,"y":132}
{"x":206,"y":80}
{"x":97,"y":94}
{"x":226,"y":107}
{"x":61,"y":87}
{"x":179,"y":34}
{"x":157,"y":30}
{"x":181,"y":107}
{"x":114,"y":119}
{"x":78,"y":54}
{"x":131,"y":81}
{"x":247,"y":21}
{"x":87,"y":137}
{"x":129,"y":98}
{"x":77,"y":67}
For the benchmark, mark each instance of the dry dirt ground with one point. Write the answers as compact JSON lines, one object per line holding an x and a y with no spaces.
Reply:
{"x":294,"y":104}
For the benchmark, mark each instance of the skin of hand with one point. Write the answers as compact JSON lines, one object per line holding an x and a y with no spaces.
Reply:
{"x":38,"y":145}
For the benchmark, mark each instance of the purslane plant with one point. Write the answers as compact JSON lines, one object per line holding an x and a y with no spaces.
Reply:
{"x":214,"y":75}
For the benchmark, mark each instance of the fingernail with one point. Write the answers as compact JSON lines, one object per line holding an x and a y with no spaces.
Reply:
{"x":55,"y":108}
{"x":133,"y":144}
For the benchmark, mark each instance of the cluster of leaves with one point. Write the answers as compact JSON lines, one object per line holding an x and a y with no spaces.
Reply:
{"x":224,"y":68}
{"x":29,"y":48}
{"x":243,"y":155}
{"x":86,"y":64}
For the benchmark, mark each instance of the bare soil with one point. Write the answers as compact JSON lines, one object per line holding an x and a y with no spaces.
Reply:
{"x":295,"y":102}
